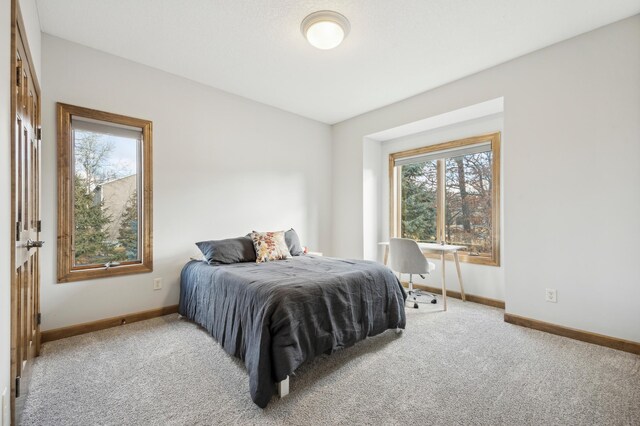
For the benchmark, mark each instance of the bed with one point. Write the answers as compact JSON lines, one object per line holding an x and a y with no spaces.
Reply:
{"x":277,"y":315}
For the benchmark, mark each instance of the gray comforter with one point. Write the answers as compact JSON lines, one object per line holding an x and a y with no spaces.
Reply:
{"x":277,"y":315}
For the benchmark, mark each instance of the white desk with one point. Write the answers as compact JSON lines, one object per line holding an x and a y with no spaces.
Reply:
{"x":443,"y":249}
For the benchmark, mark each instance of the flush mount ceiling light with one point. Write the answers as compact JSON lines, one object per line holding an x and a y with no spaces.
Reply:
{"x":325,"y":29}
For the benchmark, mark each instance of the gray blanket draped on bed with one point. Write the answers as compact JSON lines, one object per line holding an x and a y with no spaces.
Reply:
{"x":277,"y":315}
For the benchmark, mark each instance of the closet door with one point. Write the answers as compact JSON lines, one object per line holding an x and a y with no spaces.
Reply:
{"x":25,"y":213}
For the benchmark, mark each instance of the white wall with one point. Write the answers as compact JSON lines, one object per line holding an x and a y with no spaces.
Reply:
{"x":32,"y":28}
{"x":372,"y":182}
{"x":571,"y":174}
{"x":223,"y":165}
{"x":30,"y":18}
{"x":5,"y":197}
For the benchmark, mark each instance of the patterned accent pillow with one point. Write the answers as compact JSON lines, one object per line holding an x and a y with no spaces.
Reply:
{"x":270,"y":246}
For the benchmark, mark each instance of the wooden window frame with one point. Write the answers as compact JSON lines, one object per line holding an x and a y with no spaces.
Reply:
{"x":67,"y":272}
{"x":395,"y":194}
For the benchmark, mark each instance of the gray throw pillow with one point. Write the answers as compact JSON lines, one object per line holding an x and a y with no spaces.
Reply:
{"x":232,"y":250}
{"x":293,"y":242}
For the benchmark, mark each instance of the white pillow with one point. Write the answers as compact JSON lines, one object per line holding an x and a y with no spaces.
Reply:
{"x":197,"y":256}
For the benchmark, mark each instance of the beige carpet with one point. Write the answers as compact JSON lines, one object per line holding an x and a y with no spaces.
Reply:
{"x":465,"y":366}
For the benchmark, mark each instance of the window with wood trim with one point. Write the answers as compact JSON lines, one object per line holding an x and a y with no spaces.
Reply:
{"x":104,"y":194}
{"x":449,"y":192}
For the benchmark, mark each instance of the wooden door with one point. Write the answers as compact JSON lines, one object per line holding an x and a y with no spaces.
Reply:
{"x":25,"y":213}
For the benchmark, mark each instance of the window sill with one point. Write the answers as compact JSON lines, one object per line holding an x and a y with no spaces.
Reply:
{"x":102,"y":272}
{"x":464,"y":258}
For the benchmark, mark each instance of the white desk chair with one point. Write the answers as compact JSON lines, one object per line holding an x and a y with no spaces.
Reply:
{"x":405,"y":257}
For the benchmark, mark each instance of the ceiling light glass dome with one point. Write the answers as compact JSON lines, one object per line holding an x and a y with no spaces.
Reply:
{"x":325,"y":29}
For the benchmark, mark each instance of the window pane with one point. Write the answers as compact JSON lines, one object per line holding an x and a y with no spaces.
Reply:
{"x":106,"y":209}
{"x":418,"y":201}
{"x":468,"y":187}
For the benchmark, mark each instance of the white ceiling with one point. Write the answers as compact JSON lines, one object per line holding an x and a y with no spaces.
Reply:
{"x":254,"y":48}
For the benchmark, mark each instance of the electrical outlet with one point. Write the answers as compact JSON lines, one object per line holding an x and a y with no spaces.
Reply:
{"x":157,"y":283}
{"x":551,"y":295}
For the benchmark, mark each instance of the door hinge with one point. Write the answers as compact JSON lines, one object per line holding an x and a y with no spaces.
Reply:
{"x":39,"y":133}
{"x":39,"y":318}
{"x":19,"y":74}
{"x":39,"y":226}
{"x":18,"y":228}
{"x":18,"y":387}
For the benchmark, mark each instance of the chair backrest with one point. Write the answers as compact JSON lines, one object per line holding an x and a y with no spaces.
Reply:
{"x":406,"y":257}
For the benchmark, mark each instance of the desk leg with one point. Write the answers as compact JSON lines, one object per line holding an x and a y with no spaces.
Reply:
{"x":455,"y":256}
{"x":444,"y":285}
{"x":386,"y":254}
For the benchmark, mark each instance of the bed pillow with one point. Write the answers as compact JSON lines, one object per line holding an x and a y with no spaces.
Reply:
{"x":269,"y":246}
{"x":197,"y":256}
{"x":293,"y":243}
{"x":232,"y":250}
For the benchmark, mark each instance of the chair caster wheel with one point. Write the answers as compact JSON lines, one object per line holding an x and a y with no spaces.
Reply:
{"x":434,"y":301}
{"x":415,"y":306}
